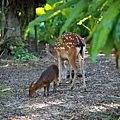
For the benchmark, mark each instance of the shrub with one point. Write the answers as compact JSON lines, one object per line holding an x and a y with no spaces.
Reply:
{"x":22,"y":54}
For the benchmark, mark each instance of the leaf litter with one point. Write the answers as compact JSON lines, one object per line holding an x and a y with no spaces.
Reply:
{"x":100,"y":101}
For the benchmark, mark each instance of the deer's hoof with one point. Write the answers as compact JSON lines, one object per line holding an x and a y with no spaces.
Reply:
{"x":85,"y":89}
{"x":59,"y":84}
{"x":72,"y":87}
{"x":80,"y":73}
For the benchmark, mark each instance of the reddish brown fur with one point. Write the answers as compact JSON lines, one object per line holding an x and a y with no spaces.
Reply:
{"x":48,"y":76}
{"x":116,"y":53}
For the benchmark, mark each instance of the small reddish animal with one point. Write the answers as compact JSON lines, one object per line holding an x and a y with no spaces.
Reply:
{"x":48,"y":76}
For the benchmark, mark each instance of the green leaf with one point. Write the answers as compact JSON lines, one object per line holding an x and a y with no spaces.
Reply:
{"x":96,"y":4}
{"x":116,"y":33}
{"x":48,"y":15}
{"x":51,"y":2}
{"x":108,"y":45}
{"x":117,"y":30}
{"x":80,"y":5}
{"x":51,"y":42}
{"x":103,"y":29}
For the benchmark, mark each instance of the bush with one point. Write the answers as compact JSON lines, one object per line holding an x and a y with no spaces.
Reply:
{"x":22,"y":54}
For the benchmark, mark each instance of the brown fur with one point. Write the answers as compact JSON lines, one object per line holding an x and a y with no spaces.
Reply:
{"x":48,"y":76}
{"x":70,"y":47}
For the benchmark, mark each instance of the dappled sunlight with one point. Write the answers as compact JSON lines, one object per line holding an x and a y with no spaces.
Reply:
{"x":51,"y":107}
{"x":17,"y":117}
{"x":99,"y":101}
{"x":103,"y":107}
{"x":37,"y":105}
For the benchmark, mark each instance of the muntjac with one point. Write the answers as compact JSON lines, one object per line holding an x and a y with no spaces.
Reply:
{"x":48,"y":76}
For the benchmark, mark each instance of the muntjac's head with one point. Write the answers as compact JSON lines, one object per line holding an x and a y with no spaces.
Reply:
{"x":32,"y":89}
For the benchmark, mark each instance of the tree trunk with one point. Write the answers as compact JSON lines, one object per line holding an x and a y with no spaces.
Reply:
{"x":10,"y":22}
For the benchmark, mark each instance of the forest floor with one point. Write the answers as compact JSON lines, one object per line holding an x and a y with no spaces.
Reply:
{"x":101,"y":101}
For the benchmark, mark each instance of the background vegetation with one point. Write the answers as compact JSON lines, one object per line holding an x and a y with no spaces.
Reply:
{"x":97,"y":21}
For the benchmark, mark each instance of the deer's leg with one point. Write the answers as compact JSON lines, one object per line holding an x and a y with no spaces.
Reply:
{"x":63,"y":69}
{"x":44,"y":91}
{"x":70,"y":72}
{"x":72,"y":61}
{"x":60,"y":70}
{"x":116,"y":58}
{"x":83,"y":74}
{"x":81,"y":62}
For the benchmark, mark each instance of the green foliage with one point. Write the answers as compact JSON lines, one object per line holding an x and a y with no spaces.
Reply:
{"x":48,"y":31}
{"x":76,"y":11}
{"x":99,"y":19}
{"x":51,"y":2}
{"x":16,"y":46}
{"x":104,"y":29}
{"x":49,"y":14}
{"x":11,"y":42}
{"x":116,"y":33}
{"x":21,"y":54}
{"x":0,"y":20}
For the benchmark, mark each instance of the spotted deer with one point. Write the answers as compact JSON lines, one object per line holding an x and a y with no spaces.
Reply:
{"x":70,"y":47}
{"x":47,"y":49}
{"x":54,"y":59}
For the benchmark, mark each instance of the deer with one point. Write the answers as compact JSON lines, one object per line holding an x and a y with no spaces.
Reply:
{"x":65,"y":74}
{"x":47,"y":49}
{"x":48,"y":76}
{"x":54,"y":59}
{"x":70,"y":47}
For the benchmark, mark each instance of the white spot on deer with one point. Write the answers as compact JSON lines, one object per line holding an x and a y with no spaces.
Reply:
{"x":69,"y":37}
{"x":62,"y":48}
{"x":66,"y":37}
{"x":70,"y":43}
{"x":68,"y":46}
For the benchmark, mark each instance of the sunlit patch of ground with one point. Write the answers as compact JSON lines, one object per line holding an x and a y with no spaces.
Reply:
{"x":101,"y":100}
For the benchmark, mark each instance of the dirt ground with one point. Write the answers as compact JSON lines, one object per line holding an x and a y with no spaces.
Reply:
{"x":101,"y":101}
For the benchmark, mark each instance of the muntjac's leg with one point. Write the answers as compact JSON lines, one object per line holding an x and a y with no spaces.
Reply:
{"x":55,"y":84}
{"x":48,"y":86}
{"x":44,"y":91}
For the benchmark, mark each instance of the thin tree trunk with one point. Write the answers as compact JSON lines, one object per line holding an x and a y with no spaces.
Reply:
{"x":3,"y":21}
{"x":10,"y":22}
